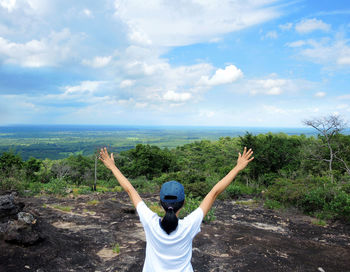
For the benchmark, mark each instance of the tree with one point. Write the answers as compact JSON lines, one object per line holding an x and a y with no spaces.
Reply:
{"x":146,"y":160}
{"x":32,"y":166}
{"x":329,"y":128}
{"x":273,"y":153}
{"x":10,"y":163}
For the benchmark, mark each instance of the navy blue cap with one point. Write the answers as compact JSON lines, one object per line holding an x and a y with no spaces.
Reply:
{"x":172,"y":191}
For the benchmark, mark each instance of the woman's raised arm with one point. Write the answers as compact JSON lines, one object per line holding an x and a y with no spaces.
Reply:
{"x":108,"y":161}
{"x":242,"y":162}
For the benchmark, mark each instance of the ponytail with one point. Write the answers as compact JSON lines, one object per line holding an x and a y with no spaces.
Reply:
{"x":170,"y":221}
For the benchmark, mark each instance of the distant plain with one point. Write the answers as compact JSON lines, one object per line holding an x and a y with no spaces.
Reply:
{"x":61,"y":141}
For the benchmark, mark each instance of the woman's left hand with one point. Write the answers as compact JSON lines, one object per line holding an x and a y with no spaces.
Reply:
{"x":107,"y":160}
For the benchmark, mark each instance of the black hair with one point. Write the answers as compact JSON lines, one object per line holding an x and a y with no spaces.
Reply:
{"x":170,"y":221}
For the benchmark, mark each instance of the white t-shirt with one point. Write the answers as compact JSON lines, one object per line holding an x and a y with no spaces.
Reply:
{"x":173,"y":252}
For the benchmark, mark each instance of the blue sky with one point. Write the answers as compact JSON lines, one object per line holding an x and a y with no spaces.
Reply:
{"x":162,"y":62}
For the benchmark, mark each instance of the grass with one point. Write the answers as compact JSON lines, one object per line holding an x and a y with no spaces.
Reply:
{"x":117,"y":189}
{"x":247,"y":203}
{"x":63,"y":208}
{"x":116,"y":248}
{"x":319,"y":222}
{"x":93,"y":202}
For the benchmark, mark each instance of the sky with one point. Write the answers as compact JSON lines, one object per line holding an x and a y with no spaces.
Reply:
{"x":252,"y":63}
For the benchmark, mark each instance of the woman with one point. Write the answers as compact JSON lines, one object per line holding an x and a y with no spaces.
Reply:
{"x":169,"y":240}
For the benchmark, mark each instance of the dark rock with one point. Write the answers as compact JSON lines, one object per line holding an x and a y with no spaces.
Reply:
{"x":23,"y":231}
{"x":8,"y":206}
{"x":26,"y":218}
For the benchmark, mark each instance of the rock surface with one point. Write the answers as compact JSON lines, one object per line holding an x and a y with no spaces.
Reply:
{"x":108,"y":236}
{"x":15,"y":226}
{"x":8,"y":206}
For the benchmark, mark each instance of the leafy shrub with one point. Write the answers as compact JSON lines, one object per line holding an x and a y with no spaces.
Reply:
{"x":235,"y":190}
{"x":36,"y":187}
{"x":268,"y":179}
{"x":313,"y":200}
{"x":84,"y":190}
{"x":111,"y":183}
{"x":340,"y":205}
{"x":192,"y":203}
{"x":272,"y":204}
{"x":185,"y":177}
{"x":56,"y":187}
{"x":198,"y":189}
{"x":314,"y":195}
{"x":12,"y":183}
{"x":142,"y":185}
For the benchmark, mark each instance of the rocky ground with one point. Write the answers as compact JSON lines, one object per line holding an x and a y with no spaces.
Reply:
{"x":101,"y":232}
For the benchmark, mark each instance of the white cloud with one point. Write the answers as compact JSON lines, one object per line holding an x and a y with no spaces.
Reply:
{"x":269,"y":86}
{"x":8,"y":4}
{"x":271,"y":35}
{"x":344,"y":60}
{"x":336,"y":53}
{"x":127,"y":83}
{"x":222,"y":76}
{"x":286,"y":26}
{"x":325,"y":51}
{"x":310,"y":25}
{"x":297,"y":43}
{"x":97,"y":62}
{"x":83,"y":87}
{"x":88,"y":13}
{"x":320,"y":94}
{"x":50,"y":51}
{"x":174,"y":23}
{"x":176,"y":97}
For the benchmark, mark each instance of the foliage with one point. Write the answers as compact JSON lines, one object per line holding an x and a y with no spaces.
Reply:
{"x":235,"y":190}
{"x":192,"y":203}
{"x":145,"y":160}
{"x":10,"y":164}
{"x":56,"y":187}
{"x":314,"y":195}
{"x":286,"y":167}
{"x":272,"y":153}
{"x":12,"y":184}
{"x":32,"y":167}
{"x":143,"y":185}
{"x":272,"y":204}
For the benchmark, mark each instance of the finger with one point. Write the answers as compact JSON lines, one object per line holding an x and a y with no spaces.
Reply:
{"x":249,"y":153}
{"x":252,"y":158}
{"x":239,"y":154}
{"x":244,"y":150}
{"x":112,"y":156}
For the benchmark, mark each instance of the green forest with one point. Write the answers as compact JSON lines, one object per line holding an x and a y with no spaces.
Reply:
{"x":311,"y":174}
